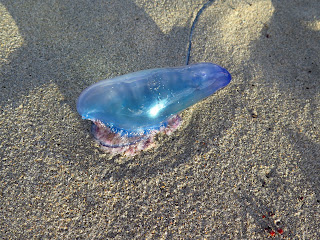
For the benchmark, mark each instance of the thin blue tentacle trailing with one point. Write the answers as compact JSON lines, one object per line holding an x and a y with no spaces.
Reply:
{"x":207,"y":4}
{"x":129,"y":110}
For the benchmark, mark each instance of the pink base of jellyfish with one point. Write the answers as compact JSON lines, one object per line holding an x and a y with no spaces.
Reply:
{"x":115,"y":143}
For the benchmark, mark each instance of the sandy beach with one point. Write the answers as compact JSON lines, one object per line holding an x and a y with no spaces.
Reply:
{"x":245,"y":164}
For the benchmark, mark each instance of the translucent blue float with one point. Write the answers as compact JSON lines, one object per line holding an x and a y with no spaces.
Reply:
{"x":127,"y":111}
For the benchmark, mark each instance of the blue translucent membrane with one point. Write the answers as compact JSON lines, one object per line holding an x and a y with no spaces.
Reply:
{"x":144,"y":100}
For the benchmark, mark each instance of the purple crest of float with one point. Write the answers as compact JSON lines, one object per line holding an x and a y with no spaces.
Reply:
{"x":127,"y":111}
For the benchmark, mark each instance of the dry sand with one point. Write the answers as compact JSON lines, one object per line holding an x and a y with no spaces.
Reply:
{"x":245,"y":159}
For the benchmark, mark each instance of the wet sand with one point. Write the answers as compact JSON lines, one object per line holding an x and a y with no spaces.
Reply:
{"x":244,"y":163}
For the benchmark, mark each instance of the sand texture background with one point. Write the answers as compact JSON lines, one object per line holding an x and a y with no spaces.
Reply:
{"x":245,"y":159}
